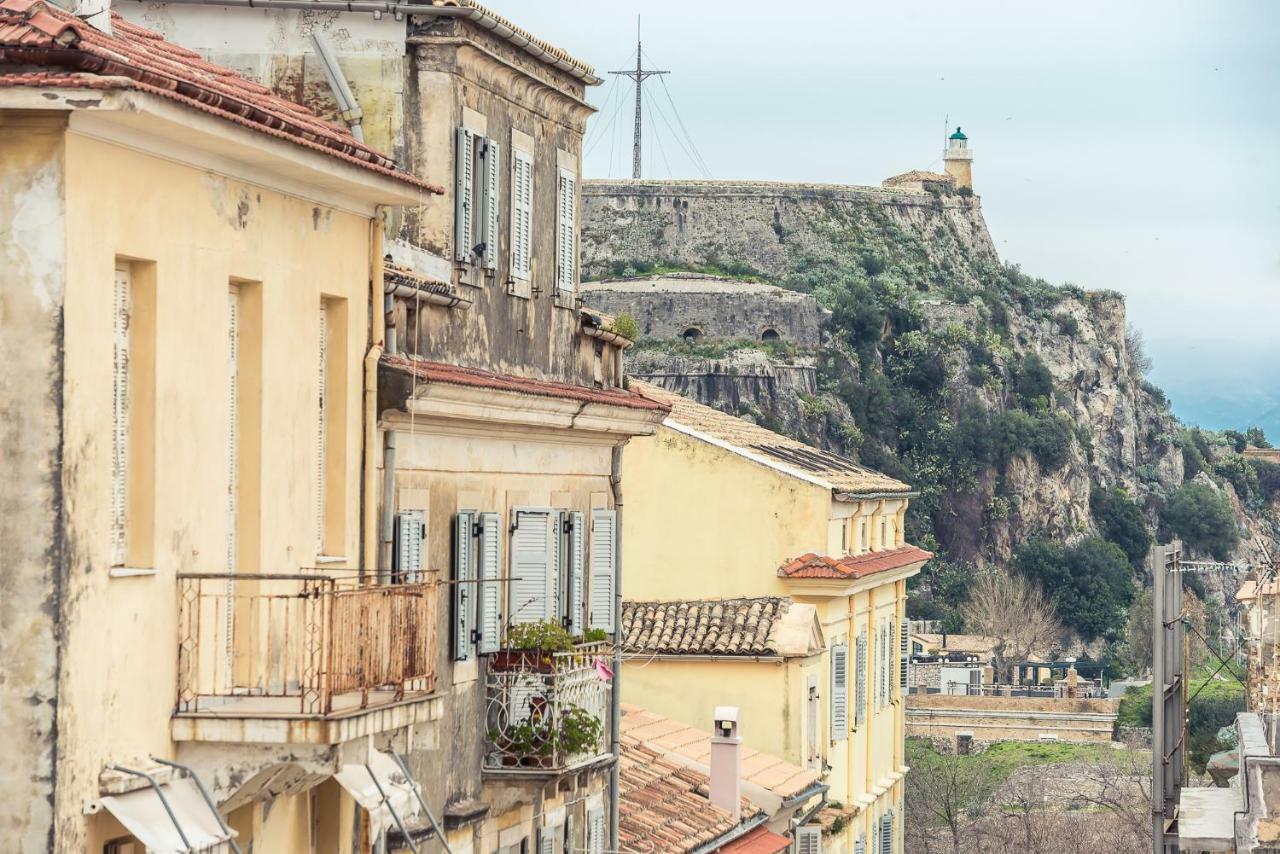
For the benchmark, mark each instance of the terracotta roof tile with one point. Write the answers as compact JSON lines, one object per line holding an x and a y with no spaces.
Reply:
{"x":853,"y":568}
{"x":703,"y":627}
{"x":438,"y":372}
{"x":762,"y":840}
{"x":754,"y":442}
{"x":42,"y":45}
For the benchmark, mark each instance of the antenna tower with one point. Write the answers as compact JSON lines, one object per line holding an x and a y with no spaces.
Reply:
{"x":639,"y":75}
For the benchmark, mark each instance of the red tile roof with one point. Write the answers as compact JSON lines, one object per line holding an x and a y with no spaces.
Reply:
{"x":437,"y":372}
{"x":762,"y":840}
{"x":42,"y":45}
{"x":853,"y":568}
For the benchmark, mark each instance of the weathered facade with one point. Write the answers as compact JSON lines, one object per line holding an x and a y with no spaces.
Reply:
{"x":725,"y":509}
{"x":184,"y":315}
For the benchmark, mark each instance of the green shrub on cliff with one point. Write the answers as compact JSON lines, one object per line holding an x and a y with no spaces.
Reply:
{"x":1202,"y":519}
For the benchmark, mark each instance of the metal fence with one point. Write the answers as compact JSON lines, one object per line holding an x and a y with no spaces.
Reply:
{"x":547,"y":711}
{"x":306,"y":642}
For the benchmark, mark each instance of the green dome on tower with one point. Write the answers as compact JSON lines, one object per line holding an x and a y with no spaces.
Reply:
{"x":958,"y":134}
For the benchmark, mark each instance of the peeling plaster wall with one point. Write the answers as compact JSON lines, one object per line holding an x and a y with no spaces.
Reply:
{"x":32,"y":279}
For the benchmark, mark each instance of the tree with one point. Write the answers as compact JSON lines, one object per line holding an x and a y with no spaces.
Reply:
{"x":1016,"y":613}
{"x":1089,"y":583}
{"x":1203,"y":519}
{"x":950,"y":791}
{"x":1121,"y":522}
{"x":1257,"y":437}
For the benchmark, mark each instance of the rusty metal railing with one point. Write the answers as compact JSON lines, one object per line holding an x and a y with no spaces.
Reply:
{"x":304,"y":643}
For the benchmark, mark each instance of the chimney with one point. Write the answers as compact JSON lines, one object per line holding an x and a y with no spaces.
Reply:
{"x":726,"y":762}
{"x":95,"y":13}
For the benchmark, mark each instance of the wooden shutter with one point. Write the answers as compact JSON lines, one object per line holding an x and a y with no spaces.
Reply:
{"x":839,"y":692}
{"x":546,"y":841}
{"x":886,"y":833}
{"x":488,"y":570}
{"x":904,"y":651}
{"x":492,"y":202}
{"x":521,"y":214}
{"x":890,"y":656}
{"x":120,"y":417}
{"x":532,"y":559}
{"x":596,"y":831}
{"x":322,"y":382}
{"x":406,"y":560}
{"x":604,"y":569}
{"x":464,"y":195}
{"x":575,"y":569}
{"x":860,"y":680}
{"x":809,"y":840}
{"x":464,"y":572}
{"x":566,"y":232}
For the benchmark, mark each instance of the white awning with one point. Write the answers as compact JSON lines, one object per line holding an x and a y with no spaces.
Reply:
{"x":358,"y":782}
{"x":143,"y":815}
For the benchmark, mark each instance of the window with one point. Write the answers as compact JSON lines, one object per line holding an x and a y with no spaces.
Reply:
{"x":904,"y":656}
{"x":809,"y":839}
{"x":132,"y":434}
{"x":567,"y":232}
{"x":331,"y":423}
{"x":964,"y":743}
{"x":521,"y":215}
{"x":597,"y":832}
{"x":563,"y":568}
{"x":770,"y":336}
{"x":120,"y":415}
{"x":860,"y":679}
{"x":234,"y":415}
{"x":477,"y":618}
{"x":884,"y":534}
{"x":811,"y":721}
{"x":839,"y":692}
{"x":477,"y":198}
{"x":604,"y":569}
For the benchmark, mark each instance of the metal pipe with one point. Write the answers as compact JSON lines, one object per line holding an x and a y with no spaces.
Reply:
{"x":347,"y":104}
{"x":729,"y":835}
{"x":368,"y":449}
{"x":615,"y":697}
{"x":388,"y":504}
{"x":163,"y":800}
{"x":404,"y":766}
{"x":388,"y":311}
{"x":391,"y":809}
{"x":204,"y":793}
{"x":423,"y":295}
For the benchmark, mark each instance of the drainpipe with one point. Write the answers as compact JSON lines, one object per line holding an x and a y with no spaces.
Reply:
{"x":388,"y":500}
{"x":615,"y":710}
{"x":377,"y":324}
{"x":348,"y":107}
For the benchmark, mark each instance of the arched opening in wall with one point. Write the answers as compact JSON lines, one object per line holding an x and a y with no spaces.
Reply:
{"x":692,"y":335}
{"x":770,"y":336}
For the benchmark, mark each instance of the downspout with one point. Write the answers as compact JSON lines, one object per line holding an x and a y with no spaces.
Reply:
{"x":615,"y":706}
{"x":377,"y":329}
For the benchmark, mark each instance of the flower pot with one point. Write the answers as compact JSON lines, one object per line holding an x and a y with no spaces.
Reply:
{"x":521,"y":660}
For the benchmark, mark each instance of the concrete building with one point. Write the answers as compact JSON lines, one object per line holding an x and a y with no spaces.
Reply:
{"x":693,"y":307}
{"x":1244,"y":816}
{"x":771,"y":576}
{"x":184,"y":318}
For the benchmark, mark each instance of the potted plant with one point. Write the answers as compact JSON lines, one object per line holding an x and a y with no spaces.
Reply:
{"x":531,"y":647}
{"x":579,"y":731}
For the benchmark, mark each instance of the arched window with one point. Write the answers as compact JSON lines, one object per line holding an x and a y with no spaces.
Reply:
{"x":770,"y":336}
{"x":692,"y":335}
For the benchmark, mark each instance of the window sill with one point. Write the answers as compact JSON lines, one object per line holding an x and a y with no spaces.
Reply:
{"x":566,"y":299}
{"x":323,"y":559}
{"x":130,"y":571}
{"x":522,"y":288}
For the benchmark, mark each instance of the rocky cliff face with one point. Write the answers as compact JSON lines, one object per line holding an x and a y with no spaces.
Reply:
{"x":1005,"y":400}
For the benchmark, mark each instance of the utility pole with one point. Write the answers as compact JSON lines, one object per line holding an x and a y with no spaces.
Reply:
{"x":639,"y":75}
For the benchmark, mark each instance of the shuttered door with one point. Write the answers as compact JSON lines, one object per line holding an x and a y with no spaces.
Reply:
{"x":463,"y":589}
{"x":492,"y":202}
{"x":532,"y":562}
{"x":860,"y":847}
{"x":575,"y":570}
{"x":488,"y":569}
{"x":596,"y":831}
{"x":521,"y":214}
{"x":464,"y":195}
{"x":322,"y":381}
{"x":839,"y":692}
{"x":120,"y":416}
{"x":233,"y":463}
{"x":604,"y":569}
{"x":566,"y":243}
{"x":808,"y":840}
{"x":904,"y":652}
{"x":409,"y":532}
{"x":860,"y":680}
{"x":886,"y":833}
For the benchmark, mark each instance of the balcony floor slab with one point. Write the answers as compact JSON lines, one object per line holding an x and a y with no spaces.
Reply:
{"x":279,"y":720}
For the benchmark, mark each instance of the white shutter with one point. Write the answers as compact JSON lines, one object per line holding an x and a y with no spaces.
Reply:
{"x":521,"y":214}
{"x":546,"y":842}
{"x":604,"y":569}
{"x":463,"y":589}
{"x":463,"y":195}
{"x":860,"y":680}
{"x":406,"y":561}
{"x":860,"y":847}
{"x":904,"y":643}
{"x":596,"y":831}
{"x":492,"y":202}
{"x":573,"y":581}
{"x":489,"y":618}
{"x":566,"y":232}
{"x":839,"y":692}
{"x":233,"y":421}
{"x":890,"y":658}
{"x":886,"y":833}
{"x":809,"y":840}
{"x":120,"y":417}
{"x":322,"y":383}
{"x":532,"y":555}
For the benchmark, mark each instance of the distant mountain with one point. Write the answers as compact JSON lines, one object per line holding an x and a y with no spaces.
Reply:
{"x":1221,"y":384}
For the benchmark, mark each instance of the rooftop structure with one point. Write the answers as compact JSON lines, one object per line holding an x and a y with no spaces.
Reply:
{"x":765,"y":625}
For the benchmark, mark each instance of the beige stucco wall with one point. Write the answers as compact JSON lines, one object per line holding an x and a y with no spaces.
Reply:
{"x":990,"y":719}
{"x":192,"y":232}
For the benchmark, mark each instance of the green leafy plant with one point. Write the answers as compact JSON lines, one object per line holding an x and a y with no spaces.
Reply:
{"x":1202,"y":518}
{"x":579,"y":731}
{"x":626,"y":326}
{"x":546,"y":636}
{"x":594,"y":636}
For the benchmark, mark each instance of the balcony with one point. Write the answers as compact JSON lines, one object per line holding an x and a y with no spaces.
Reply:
{"x":547,"y":714}
{"x":302,"y":658}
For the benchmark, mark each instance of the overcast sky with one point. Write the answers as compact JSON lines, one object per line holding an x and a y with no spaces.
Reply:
{"x":1126,"y":145}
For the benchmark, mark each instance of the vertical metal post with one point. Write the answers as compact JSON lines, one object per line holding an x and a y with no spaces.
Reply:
{"x":639,"y":75}
{"x":1168,"y":694}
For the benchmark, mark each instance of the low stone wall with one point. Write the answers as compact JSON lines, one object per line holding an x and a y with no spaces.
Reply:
{"x":985,"y":720}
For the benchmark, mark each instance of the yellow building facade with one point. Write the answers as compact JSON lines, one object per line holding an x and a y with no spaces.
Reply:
{"x":732,"y":527}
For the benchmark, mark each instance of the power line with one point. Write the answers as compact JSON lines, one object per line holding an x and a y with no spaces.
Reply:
{"x":698,"y":159}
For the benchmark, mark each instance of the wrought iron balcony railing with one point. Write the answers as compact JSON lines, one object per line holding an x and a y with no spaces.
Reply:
{"x":303,"y":644}
{"x":547,"y":712}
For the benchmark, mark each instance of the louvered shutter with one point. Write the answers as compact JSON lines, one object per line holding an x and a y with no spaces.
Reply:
{"x":904,"y":651}
{"x":568,"y":834}
{"x":808,"y":840}
{"x":604,"y":569}
{"x":233,"y":423}
{"x":488,"y":570}
{"x":566,"y":243}
{"x":546,"y":841}
{"x":532,"y":555}
{"x":492,"y":202}
{"x":886,"y":833}
{"x":839,"y":692}
{"x":574,"y":570}
{"x":464,"y":195}
{"x":860,"y":847}
{"x":521,"y":214}
{"x":322,"y":381}
{"x":464,"y":569}
{"x":406,"y":561}
{"x":890,"y":655}
{"x":860,"y":680}
{"x":120,"y":417}
{"x":595,"y":831}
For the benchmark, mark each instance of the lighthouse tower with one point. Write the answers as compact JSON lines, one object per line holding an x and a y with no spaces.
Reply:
{"x":959,"y":159}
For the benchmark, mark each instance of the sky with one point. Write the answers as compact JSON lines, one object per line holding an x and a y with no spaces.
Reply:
{"x":1133,"y":146}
